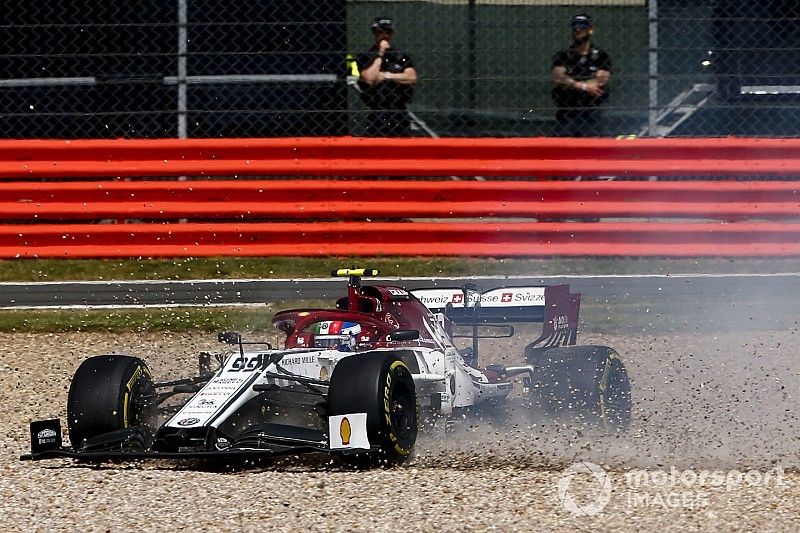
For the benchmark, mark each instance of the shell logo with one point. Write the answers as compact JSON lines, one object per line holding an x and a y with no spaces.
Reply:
{"x":345,"y":431}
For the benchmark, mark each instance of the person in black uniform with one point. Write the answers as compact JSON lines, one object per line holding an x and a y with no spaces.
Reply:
{"x":386,"y":80}
{"x":581,"y":75}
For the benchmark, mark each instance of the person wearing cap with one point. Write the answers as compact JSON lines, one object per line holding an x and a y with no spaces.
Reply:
{"x":386,"y":80}
{"x":581,"y":75}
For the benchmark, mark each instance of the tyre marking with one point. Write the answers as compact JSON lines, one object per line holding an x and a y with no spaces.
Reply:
{"x":126,"y":398}
{"x":386,"y":406}
{"x":125,"y":401}
{"x":603,"y":386}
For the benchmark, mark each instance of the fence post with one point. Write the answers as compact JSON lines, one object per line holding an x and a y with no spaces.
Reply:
{"x":182,"y":46}
{"x":653,"y":67}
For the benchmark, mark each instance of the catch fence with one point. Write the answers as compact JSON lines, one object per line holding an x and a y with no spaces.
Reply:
{"x":209,"y":68}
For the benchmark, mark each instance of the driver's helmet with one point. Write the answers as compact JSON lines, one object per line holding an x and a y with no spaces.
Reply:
{"x":336,"y":334}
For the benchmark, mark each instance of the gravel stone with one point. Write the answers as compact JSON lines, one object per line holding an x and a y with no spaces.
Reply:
{"x":702,"y":402}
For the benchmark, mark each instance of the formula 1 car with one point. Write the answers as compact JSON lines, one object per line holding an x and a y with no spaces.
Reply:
{"x":355,"y":381}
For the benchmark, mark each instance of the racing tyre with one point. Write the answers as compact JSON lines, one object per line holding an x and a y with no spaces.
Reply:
{"x":109,"y":393}
{"x":584,"y":385}
{"x":379,"y":384}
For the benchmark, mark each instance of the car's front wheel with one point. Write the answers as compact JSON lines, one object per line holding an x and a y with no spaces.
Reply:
{"x":380,"y":385}
{"x":109,"y":393}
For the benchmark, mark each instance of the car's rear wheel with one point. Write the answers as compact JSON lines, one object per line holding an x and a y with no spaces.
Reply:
{"x":583,"y":385}
{"x":380,"y":385}
{"x":109,"y":393}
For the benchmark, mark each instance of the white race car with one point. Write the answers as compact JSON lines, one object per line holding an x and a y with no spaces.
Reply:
{"x":354,"y":381}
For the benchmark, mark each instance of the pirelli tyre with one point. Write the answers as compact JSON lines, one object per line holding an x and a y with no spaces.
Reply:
{"x":109,"y":393}
{"x":586,"y":386}
{"x":379,"y":384}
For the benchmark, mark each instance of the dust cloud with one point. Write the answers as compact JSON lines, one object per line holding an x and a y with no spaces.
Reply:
{"x":714,"y":378}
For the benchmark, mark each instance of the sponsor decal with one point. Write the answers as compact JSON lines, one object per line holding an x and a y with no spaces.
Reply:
{"x":327,"y":327}
{"x":529,"y":296}
{"x":206,"y":401}
{"x":438,"y":298}
{"x":506,"y":297}
{"x":299,"y":360}
{"x":227,"y":381}
{"x":560,"y":322}
{"x":392,"y":321}
{"x":249,"y":363}
{"x":188,"y":422}
{"x":46,"y":434}
{"x":323,"y":373}
{"x":348,"y":431}
{"x":398,"y":292}
{"x":345,"y":431}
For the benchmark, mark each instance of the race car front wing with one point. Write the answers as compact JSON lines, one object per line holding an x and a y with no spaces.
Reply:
{"x":346,"y":434}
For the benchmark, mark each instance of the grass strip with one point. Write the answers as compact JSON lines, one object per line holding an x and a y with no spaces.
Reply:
{"x":36,"y":270}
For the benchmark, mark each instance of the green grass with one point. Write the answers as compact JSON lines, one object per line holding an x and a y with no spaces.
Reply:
{"x":207,"y":268}
{"x":716,"y":312}
{"x":300,"y":267}
{"x":259,"y":318}
{"x":178,"y":319}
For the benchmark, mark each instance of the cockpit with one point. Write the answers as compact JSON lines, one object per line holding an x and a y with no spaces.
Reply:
{"x":331,"y":330}
{"x":335,"y":335}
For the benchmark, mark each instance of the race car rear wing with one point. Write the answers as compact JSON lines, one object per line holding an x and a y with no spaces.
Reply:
{"x":554,"y":306}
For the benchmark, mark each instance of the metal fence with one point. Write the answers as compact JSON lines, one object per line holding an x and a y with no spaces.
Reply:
{"x":213,"y":68}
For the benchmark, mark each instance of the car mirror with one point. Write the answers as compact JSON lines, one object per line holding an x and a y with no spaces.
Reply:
{"x":229,"y":337}
{"x":404,"y":335}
